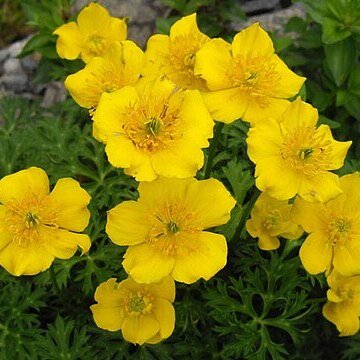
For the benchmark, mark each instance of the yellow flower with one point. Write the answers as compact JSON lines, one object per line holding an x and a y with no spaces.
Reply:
{"x":164,"y":229}
{"x":154,"y":129}
{"x":343,"y":307}
{"x":270,"y":218}
{"x":174,"y":55}
{"x":119,"y":66}
{"x":36,"y":226}
{"x":246,"y":80}
{"x":144,"y":313}
{"x":91,"y":35}
{"x":293,"y":156}
{"x":334,"y":230}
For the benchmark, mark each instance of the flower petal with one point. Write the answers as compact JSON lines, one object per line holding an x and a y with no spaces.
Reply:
{"x":208,"y":255}
{"x":252,"y":41}
{"x":24,"y":183}
{"x":316,"y":253}
{"x":138,"y":330}
{"x":69,"y":42}
{"x":126,"y":223}
{"x":346,"y":257}
{"x":165,"y":289}
{"x":92,"y":18}
{"x":164,"y":313}
{"x":345,"y":319}
{"x":25,"y":260}
{"x":71,"y":202}
{"x":214,"y":210}
{"x":226,"y":105}
{"x":62,"y":243}
{"x":146,"y":264}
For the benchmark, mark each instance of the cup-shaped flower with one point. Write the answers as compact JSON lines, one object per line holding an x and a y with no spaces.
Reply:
{"x":334,"y":230}
{"x":343,"y":306}
{"x":154,"y":129}
{"x":91,"y":34}
{"x":121,"y":65}
{"x":37,"y":226}
{"x":174,"y":55}
{"x":246,"y":80}
{"x":144,"y":313}
{"x":164,"y":229}
{"x":293,"y":156}
{"x":270,"y":218}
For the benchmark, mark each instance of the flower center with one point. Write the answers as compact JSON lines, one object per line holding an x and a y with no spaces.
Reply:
{"x":152,"y":124}
{"x":170,"y":226}
{"x":339,"y":230}
{"x":255,"y":76}
{"x":346,"y":293}
{"x":96,"y":44}
{"x":138,"y":304}
{"x":25,"y":216}
{"x":183,"y":51}
{"x":271,"y":221}
{"x":306,"y":150}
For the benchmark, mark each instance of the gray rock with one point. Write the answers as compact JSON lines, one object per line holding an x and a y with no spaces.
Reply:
{"x":29,"y":63}
{"x":15,"y":48}
{"x":15,"y":82}
{"x":55,"y":92}
{"x":260,"y":5}
{"x":4,"y":54}
{"x":12,"y":66}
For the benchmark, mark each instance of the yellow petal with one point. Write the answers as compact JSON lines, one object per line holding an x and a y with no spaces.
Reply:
{"x":274,"y":177}
{"x":122,"y":153}
{"x":185,"y":26}
{"x":107,"y":318}
{"x":110,"y":110}
{"x":215,"y":72}
{"x":252,"y":41}
{"x":117,"y":29}
{"x":321,"y":187}
{"x":226,"y":105}
{"x":208,"y":256}
{"x":299,"y":113}
{"x":138,"y":330}
{"x":69,"y":42}
{"x":346,"y":257}
{"x":93,"y":18}
{"x":311,"y":216}
{"x":165,"y":289}
{"x":164,"y":313}
{"x":62,"y":243}
{"x":70,"y":201}
{"x":214,"y":210}
{"x":157,"y":54}
{"x":5,"y":235}
{"x":266,"y":242}
{"x":146,"y":264}
{"x":29,"y":260}
{"x":24,"y":183}
{"x":346,"y":320}
{"x":316,"y":253}
{"x":264,"y":140}
{"x":262,"y":110}
{"x":289,"y":83}
{"x":127,"y":223}
{"x":339,"y":149}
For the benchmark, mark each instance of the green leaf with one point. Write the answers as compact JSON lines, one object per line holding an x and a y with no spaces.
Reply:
{"x":163,"y":25}
{"x":334,"y":31}
{"x":326,"y":121}
{"x":340,"y":58}
{"x":35,"y":43}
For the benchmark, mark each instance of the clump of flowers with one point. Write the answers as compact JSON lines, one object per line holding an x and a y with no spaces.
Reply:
{"x":293,"y":156}
{"x":37,"y":225}
{"x":270,"y":218}
{"x":165,"y":226}
{"x":144,"y":313}
{"x":91,"y":35}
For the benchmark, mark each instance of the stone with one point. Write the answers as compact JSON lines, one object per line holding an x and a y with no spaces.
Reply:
{"x":12,"y":66}
{"x":4,"y":54}
{"x":15,"y":82}
{"x":55,"y":92}
{"x":260,"y":5}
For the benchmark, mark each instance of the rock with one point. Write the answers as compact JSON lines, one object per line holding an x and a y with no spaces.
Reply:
{"x":12,"y":66}
{"x":260,"y":5}
{"x":55,"y":92}
{"x":4,"y":54}
{"x":29,"y":63}
{"x":15,"y":48}
{"x":15,"y":82}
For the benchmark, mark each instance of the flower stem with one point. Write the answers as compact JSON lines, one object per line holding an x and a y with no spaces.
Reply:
{"x":54,"y":281}
{"x":247,"y":209}
{"x":212,"y":149}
